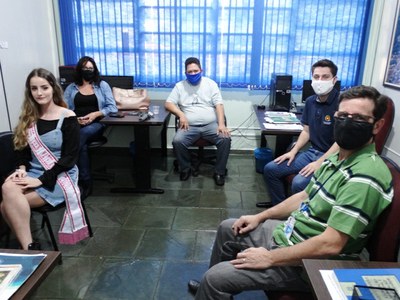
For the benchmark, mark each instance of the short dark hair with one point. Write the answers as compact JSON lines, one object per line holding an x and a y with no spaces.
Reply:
{"x":367,"y":92}
{"x":192,"y":60}
{"x":78,"y":76}
{"x":325,"y":63}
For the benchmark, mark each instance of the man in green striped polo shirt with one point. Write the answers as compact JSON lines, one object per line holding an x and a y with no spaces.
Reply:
{"x":332,"y":217}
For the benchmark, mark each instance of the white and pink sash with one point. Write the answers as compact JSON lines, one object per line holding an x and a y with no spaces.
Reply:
{"x":73,"y":227}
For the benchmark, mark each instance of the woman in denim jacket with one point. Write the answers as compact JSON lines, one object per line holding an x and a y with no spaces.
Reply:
{"x":91,"y":99}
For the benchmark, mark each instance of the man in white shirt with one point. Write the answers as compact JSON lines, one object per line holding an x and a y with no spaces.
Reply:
{"x":197,"y":102}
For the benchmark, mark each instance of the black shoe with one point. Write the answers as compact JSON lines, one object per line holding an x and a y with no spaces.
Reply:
{"x":34,"y":246}
{"x":184,"y":175}
{"x":264,"y":204}
{"x":219,"y":179}
{"x":193,"y":286}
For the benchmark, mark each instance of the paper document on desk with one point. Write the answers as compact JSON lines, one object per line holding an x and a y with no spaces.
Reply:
{"x":333,"y":285}
{"x":280,"y":117}
{"x":283,"y":126}
{"x":378,"y":284}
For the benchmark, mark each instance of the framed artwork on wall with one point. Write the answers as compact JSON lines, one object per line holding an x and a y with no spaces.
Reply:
{"x":392,"y":74}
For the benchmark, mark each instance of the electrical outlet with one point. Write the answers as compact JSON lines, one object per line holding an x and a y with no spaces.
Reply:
{"x":3,"y":45}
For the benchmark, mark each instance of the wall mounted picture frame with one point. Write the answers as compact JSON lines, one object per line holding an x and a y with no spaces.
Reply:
{"x":392,"y":74}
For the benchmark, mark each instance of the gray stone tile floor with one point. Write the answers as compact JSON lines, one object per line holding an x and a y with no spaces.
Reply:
{"x":148,"y":246}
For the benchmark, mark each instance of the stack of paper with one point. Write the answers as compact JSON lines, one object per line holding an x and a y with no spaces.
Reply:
{"x":281,"y":117}
{"x":283,"y":126}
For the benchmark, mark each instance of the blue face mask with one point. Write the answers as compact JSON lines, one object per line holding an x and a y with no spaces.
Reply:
{"x":194,"y":79}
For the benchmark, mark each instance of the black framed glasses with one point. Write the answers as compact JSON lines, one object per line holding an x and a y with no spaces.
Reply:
{"x":87,"y":69}
{"x":356,"y":117}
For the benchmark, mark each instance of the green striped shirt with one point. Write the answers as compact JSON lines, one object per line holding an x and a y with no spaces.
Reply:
{"x":346,"y":195}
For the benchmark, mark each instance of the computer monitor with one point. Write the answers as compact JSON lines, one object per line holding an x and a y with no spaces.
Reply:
{"x":66,"y":75}
{"x":308,"y":90}
{"x":123,"y":82}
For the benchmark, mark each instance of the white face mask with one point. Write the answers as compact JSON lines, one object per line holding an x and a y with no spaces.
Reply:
{"x":322,"y":87}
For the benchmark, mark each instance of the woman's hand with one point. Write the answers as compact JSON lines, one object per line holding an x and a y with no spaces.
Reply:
{"x":17,"y":174}
{"x":27,"y":182}
{"x":88,"y":119}
{"x":82,"y":121}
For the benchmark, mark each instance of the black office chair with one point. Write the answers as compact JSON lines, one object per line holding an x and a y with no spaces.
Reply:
{"x":100,"y":173}
{"x":199,"y":157}
{"x":7,"y":165}
{"x":123,"y":82}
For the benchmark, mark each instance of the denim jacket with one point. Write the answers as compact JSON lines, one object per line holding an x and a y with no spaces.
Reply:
{"x":103,"y":93}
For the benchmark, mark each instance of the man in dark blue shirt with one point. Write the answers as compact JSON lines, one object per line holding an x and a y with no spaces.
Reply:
{"x":318,"y":124}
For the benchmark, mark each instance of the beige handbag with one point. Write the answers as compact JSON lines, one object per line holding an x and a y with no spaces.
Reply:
{"x":131,"y":99}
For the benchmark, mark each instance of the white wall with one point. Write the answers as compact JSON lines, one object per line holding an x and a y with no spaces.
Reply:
{"x":28,"y":29}
{"x":378,"y":51}
{"x":238,"y":104}
{"x":4,"y":118}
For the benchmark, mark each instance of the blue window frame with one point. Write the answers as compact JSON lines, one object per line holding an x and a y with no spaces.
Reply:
{"x":239,"y":42}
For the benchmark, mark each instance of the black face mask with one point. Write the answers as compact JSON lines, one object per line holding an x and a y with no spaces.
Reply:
{"x":88,"y":75}
{"x":350,"y":134}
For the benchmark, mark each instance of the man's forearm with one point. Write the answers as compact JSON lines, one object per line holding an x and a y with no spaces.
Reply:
{"x":220,"y":114}
{"x":171,"y":107}
{"x":334,"y":148}
{"x":283,"y":209}
{"x":325,"y":245}
{"x":302,"y":140}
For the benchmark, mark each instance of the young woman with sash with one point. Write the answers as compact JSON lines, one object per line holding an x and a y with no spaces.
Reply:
{"x":47,"y":143}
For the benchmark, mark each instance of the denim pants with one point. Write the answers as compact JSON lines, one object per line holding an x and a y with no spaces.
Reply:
{"x":183,"y":139}
{"x":274,"y":174}
{"x":87,"y":133}
{"x":223,"y":280}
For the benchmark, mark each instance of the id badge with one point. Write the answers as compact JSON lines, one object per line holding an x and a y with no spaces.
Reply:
{"x":289,"y":225}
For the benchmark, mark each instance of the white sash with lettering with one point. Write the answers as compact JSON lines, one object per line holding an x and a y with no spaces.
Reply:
{"x":73,"y":227}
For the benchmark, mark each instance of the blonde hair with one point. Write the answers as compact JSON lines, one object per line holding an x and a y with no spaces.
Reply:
{"x":31,"y":109}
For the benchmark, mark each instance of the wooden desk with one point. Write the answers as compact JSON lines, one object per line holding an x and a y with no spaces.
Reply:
{"x":142,"y":157}
{"x":312,"y":267}
{"x":42,"y":271}
{"x":283,"y":137}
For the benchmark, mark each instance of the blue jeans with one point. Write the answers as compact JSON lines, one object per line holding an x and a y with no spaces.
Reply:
{"x":274,"y":174}
{"x":87,"y":134}
{"x":183,"y":139}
